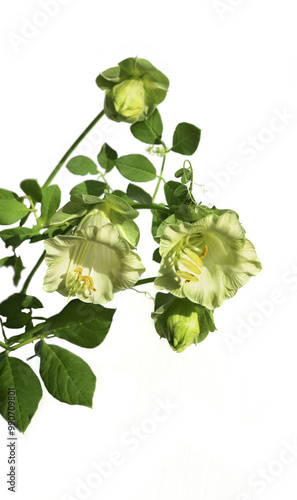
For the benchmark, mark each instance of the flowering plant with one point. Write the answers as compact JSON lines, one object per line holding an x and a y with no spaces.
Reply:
{"x":90,"y":249}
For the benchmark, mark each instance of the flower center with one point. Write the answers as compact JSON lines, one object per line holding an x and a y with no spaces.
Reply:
{"x":194,"y":265}
{"x":86,"y":281}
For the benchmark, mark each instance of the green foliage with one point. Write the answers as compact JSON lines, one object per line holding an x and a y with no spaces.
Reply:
{"x":176,"y":193}
{"x":107,"y":157}
{"x":16,"y":235}
{"x":186,"y":139}
{"x":17,"y":377}
{"x":149,"y":131}
{"x":136,"y":168}
{"x":51,"y":199}
{"x":17,"y":265}
{"x":12,"y":308}
{"x":85,"y":325}
{"x":95,"y":188}
{"x":82,"y":165}
{"x":65,"y":375}
{"x":136,"y":193}
{"x":11,"y":210}
{"x":32,"y":189}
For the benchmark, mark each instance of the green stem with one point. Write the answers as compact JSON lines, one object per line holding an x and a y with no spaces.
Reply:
{"x":3,"y":345}
{"x":150,"y":206}
{"x":144,"y":281}
{"x":28,"y":280}
{"x":28,"y":341}
{"x":160,"y":178}
{"x":72,"y":148}
{"x":2,"y":329}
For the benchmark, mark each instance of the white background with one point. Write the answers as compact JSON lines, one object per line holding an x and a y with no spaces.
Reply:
{"x":233,"y":68}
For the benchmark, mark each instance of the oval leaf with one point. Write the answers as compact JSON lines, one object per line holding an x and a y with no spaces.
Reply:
{"x":95,"y":188}
{"x":136,"y":193}
{"x":80,"y":323}
{"x":136,"y":168}
{"x":32,"y":189}
{"x":51,"y":199}
{"x":107,"y":157}
{"x":11,"y":211}
{"x":186,"y":139}
{"x":66,"y":376}
{"x":17,"y":375}
{"x":150,"y":130}
{"x":82,"y":165}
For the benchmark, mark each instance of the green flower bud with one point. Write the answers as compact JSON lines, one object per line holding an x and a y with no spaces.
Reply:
{"x":133,"y":90}
{"x":181,"y":322}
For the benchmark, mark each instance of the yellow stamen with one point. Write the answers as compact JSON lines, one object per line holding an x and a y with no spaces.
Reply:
{"x":189,"y":265}
{"x":193,"y":256}
{"x":204,"y":252}
{"x":187,"y":276}
{"x":88,"y":282}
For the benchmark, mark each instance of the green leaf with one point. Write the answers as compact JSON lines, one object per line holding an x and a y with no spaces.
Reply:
{"x":107,"y":157}
{"x":82,"y":165}
{"x":158,"y":218}
{"x":83,"y":324}
{"x":12,"y":309}
{"x":136,"y":168}
{"x":31,"y":188}
{"x":51,"y":199}
{"x":156,"y":256}
{"x":17,"y":302}
{"x":17,"y":265}
{"x":18,"y":376}
{"x":169,"y":190}
{"x":95,"y":188}
{"x":150,"y":130}
{"x":136,"y":193}
{"x":186,"y":139}
{"x":11,"y":210}
{"x":16,"y":235}
{"x":66,"y":376}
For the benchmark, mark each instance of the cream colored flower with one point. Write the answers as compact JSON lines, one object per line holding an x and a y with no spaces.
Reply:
{"x":92,"y":265}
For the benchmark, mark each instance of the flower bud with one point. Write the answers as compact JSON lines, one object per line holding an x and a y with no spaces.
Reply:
{"x":182,"y":322}
{"x":133,"y":90}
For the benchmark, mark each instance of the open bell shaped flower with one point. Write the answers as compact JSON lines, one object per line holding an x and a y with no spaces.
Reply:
{"x":206,"y":261}
{"x":92,"y":265}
